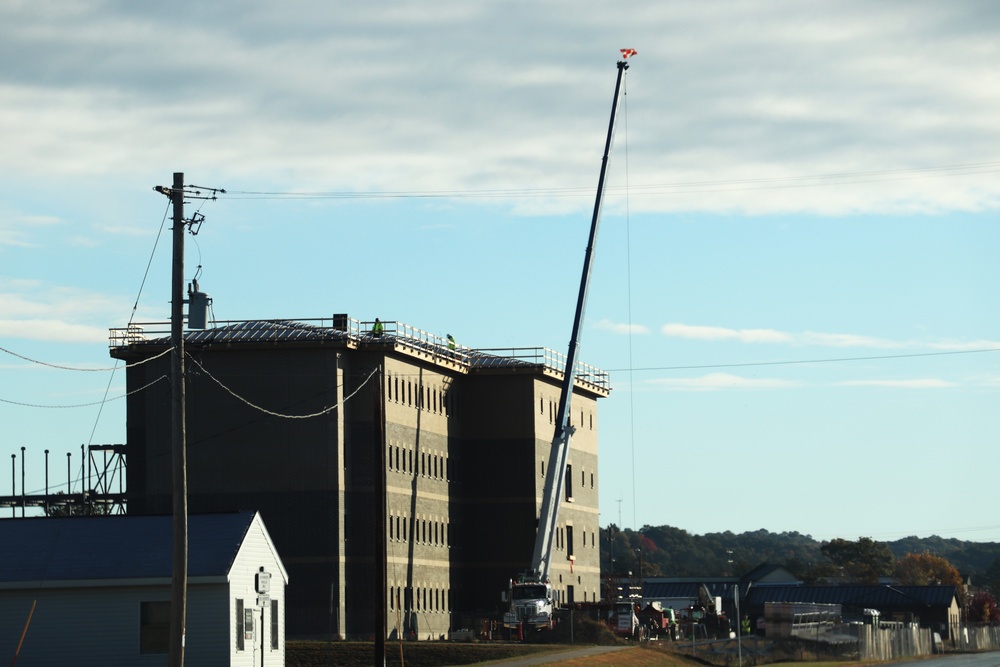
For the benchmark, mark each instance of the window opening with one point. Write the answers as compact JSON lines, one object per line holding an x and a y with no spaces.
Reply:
{"x":240,"y":633}
{"x":274,"y":625}
{"x":154,"y":627}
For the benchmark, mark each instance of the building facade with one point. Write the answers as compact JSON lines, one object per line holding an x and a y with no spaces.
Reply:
{"x":306,"y":422}
{"x":95,"y":591}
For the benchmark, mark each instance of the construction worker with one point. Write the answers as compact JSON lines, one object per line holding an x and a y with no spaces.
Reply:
{"x":451,"y":342}
{"x":378,"y":328}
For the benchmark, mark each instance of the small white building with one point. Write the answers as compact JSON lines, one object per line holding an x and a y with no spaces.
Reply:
{"x":96,"y":591}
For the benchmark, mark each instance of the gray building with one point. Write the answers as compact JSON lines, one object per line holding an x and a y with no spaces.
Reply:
{"x":95,"y":591}
{"x":299,"y":420}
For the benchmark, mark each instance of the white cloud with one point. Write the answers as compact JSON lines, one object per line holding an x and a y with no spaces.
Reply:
{"x":16,"y":228}
{"x":915,"y":383}
{"x":699,"y":332}
{"x":843,"y":340}
{"x":817,"y":339}
{"x":621,"y":327}
{"x":52,"y":330}
{"x":472,"y":96}
{"x":719,"y":381}
{"x":38,"y":311}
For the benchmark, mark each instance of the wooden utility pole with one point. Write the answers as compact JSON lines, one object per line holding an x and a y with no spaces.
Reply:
{"x":178,"y":586}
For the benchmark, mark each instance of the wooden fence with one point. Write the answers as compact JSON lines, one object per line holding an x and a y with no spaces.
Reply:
{"x":885,"y":644}
{"x":839,"y":641}
{"x":977,"y":638}
{"x":831,"y":642}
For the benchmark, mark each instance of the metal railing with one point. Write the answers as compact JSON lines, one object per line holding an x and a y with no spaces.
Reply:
{"x":341,"y":326}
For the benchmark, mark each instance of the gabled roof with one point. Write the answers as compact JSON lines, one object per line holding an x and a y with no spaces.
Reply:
{"x":768,"y":573}
{"x":685,"y":587}
{"x":856,"y":596}
{"x":116,"y":547}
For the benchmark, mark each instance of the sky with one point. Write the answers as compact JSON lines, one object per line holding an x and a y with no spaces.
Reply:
{"x":795,"y":277}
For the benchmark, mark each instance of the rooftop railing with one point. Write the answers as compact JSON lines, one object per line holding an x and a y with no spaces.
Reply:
{"x":344,"y":327}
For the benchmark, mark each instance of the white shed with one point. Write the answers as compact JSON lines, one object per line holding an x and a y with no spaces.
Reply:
{"x":96,"y":591}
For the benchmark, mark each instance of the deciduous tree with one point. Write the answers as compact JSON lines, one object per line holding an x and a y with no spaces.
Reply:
{"x":863,"y":561}
{"x":927,"y":569}
{"x":983,"y":609}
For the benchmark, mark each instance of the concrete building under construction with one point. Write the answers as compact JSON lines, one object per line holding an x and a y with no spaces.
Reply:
{"x":299,"y":420}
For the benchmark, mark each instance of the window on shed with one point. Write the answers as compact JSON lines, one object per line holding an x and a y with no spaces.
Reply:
{"x":154,"y":627}
{"x":240,"y":645}
{"x":274,"y":625}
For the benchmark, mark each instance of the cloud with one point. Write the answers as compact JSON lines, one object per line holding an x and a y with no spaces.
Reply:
{"x":719,"y":381}
{"x":16,"y":228}
{"x":817,"y":339}
{"x":52,"y":330}
{"x":728,"y":381}
{"x":915,"y":383}
{"x":472,"y":96}
{"x":35,"y":310}
{"x":621,"y":327}
{"x":698,"y":332}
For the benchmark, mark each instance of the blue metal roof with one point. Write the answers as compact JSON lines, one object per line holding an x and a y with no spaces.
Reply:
{"x":116,"y":547}
{"x":688,"y":588}
{"x":856,"y":595}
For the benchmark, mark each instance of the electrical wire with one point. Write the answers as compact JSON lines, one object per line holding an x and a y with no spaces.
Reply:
{"x":77,"y":368}
{"x":682,"y":187}
{"x":322,"y":412}
{"x":86,"y":405}
{"x":803,"y":361}
{"x":131,"y":318}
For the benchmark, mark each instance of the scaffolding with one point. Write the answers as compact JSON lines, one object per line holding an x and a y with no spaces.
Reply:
{"x":100,"y":486}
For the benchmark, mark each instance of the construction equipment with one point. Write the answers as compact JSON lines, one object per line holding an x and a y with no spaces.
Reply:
{"x":660,"y":623}
{"x":705,"y":620}
{"x":529,"y":595}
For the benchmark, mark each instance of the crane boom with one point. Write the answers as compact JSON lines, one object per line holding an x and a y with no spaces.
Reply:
{"x":530,"y":595}
{"x":555,"y":480}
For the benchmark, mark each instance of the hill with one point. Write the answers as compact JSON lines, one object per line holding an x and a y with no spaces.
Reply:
{"x":669,"y":551}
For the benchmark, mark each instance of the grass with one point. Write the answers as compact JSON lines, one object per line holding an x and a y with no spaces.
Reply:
{"x":415,"y":654}
{"x":432,"y":654}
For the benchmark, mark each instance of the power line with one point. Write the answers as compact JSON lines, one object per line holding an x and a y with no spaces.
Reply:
{"x":85,"y":405}
{"x":682,"y":187}
{"x":803,"y":361}
{"x":278,"y":414}
{"x":77,"y":368}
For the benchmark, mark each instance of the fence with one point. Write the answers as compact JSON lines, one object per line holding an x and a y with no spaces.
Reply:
{"x":821,"y":641}
{"x":885,"y":644}
{"x":977,"y":638}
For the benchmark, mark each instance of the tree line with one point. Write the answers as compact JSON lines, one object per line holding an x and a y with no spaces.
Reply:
{"x":665,"y":551}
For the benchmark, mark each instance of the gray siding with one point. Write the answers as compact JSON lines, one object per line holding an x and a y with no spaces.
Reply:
{"x":97,"y":627}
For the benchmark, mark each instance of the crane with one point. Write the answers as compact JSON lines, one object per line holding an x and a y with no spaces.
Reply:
{"x":529,"y":594}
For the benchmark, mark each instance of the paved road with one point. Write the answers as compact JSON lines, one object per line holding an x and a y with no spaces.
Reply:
{"x":573,"y":653}
{"x":989,"y":659}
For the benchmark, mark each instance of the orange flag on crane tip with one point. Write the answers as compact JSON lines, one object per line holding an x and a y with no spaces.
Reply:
{"x":628,"y":52}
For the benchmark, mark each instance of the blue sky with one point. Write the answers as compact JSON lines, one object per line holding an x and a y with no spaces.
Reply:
{"x":794,"y":287}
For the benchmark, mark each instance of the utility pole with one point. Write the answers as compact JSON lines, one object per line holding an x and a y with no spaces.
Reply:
{"x":178,"y":441}
{"x":178,"y":437}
